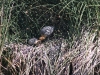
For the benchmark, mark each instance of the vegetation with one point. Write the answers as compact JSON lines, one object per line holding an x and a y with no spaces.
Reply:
{"x":22,"y":19}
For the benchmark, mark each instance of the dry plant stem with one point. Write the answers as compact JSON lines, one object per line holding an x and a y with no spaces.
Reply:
{"x":38,"y":42}
{"x":0,"y":30}
{"x":0,"y":35}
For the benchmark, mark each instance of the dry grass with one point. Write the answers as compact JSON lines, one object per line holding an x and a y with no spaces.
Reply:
{"x":78,"y":54}
{"x":55,"y":57}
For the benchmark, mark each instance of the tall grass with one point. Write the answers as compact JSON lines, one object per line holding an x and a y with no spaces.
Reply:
{"x":28,"y":17}
{"x":22,"y":19}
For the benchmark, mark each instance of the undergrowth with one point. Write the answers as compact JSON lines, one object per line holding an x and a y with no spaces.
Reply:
{"x":23,"y":19}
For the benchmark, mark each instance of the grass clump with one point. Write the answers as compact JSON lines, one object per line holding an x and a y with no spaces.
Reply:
{"x":21,"y":20}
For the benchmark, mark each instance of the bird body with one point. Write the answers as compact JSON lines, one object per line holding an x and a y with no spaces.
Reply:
{"x":47,"y":30}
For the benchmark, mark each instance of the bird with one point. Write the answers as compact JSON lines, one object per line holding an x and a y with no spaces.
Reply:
{"x":46,"y":32}
{"x":33,"y":41}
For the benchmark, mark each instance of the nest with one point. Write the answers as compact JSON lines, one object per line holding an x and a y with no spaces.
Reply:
{"x":57,"y":57}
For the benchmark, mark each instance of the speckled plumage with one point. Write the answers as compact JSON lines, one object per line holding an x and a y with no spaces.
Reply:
{"x":47,"y":30}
